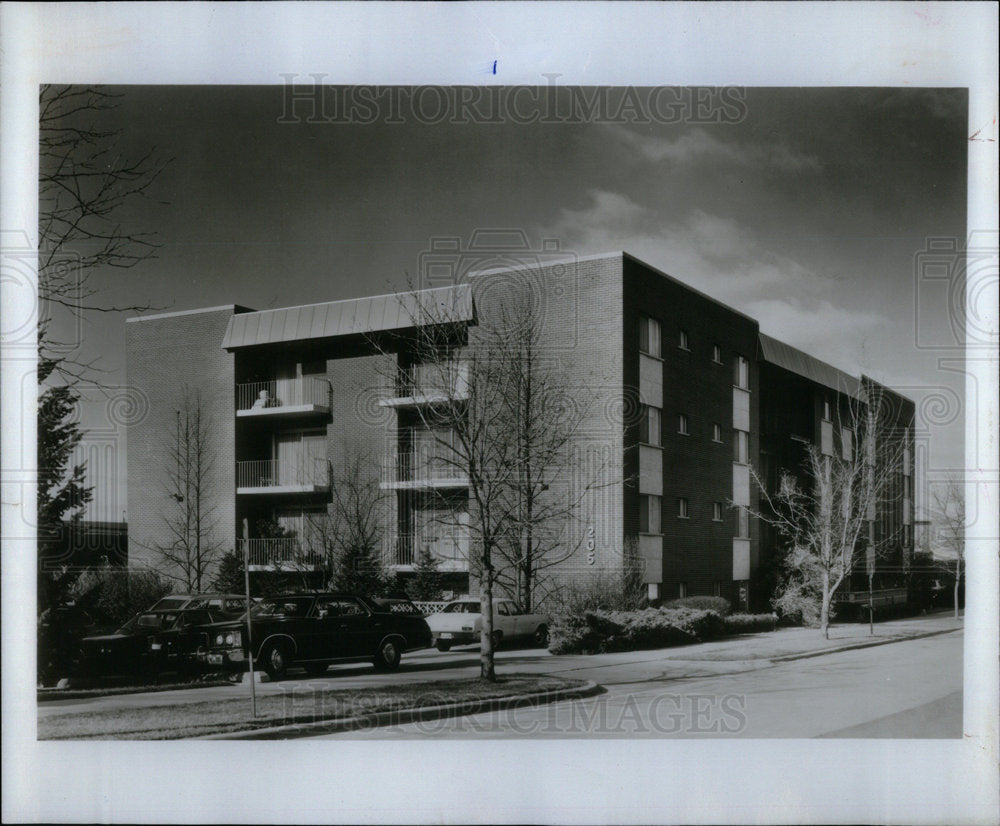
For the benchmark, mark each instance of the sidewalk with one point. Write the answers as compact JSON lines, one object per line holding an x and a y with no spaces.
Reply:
{"x":743,"y":653}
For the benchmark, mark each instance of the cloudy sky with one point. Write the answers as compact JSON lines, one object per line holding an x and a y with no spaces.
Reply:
{"x":804,"y":208}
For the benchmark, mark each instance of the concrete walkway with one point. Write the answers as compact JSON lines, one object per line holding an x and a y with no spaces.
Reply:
{"x":744,"y":653}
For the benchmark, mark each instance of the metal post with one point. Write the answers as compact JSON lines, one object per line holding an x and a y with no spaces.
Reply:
{"x":246,"y":579}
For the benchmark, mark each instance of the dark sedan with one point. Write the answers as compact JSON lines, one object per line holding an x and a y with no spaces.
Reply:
{"x":182,"y":647}
{"x":312,"y":630}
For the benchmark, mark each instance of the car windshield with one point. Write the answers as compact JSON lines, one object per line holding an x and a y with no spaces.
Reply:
{"x":167,"y":603}
{"x":159,"y":620}
{"x":128,"y":626}
{"x":282,"y":607}
{"x":462,"y":608}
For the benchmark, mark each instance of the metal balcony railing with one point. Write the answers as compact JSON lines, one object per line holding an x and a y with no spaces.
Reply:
{"x":432,"y":381}
{"x":278,"y":393}
{"x":416,"y":466}
{"x":268,"y":473}
{"x":451,"y":551}
{"x":279,"y":553}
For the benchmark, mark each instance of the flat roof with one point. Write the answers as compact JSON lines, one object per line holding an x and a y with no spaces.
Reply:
{"x":394,"y":311}
{"x":810,"y":367}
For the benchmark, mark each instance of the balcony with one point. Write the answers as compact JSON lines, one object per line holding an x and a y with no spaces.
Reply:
{"x":428,"y":384}
{"x":279,"y":555}
{"x":274,"y":477}
{"x":421,"y":469}
{"x":283,"y":397}
{"x":451,"y":551}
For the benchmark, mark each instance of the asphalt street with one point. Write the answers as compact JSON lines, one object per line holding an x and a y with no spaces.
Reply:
{"x":904,"y":689}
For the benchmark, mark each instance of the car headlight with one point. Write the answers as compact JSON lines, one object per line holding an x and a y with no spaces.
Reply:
{"x":231,"y":638}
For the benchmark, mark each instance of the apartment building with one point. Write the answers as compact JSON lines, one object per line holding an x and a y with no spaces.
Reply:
{"x":679,"y":398}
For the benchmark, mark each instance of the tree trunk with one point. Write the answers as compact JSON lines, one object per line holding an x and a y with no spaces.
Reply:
{"x":824,"y":611}
{"x":486,"y":669}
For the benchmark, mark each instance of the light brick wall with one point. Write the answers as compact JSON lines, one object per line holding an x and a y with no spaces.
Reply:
{"x":167,"y":356}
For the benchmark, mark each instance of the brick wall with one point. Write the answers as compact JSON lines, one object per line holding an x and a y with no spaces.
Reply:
{"x":577,"y":309}
{"x":697,"y":551}
{"x":166,"y":357}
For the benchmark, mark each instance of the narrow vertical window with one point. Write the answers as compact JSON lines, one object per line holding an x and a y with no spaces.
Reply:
{"x":682,"y":508}
{"x":649,"y":336}
{"x":716,"y":354}
{"x":650,"y":508}
{"x":716,"y":433}
{"x":742,"y":523}
{"x":716,"y":511}
{"x":741,"y":454}
{"x":649,"y":425}
{"x":742,"y":373}
{"x":682,"y":424}
{"x":683,"y":340}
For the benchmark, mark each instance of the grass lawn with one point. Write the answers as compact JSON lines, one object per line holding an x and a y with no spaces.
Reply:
{"x":170,"y":722}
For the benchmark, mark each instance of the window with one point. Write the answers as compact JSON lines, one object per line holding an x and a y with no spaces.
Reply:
{"x":682,"y":590}
{"x":653,"y":590}
{"x":716,"y":433}
{"x":649,"y":425}
{"x":682,"y":508}
{"x":907,"y":538}
{"x":716,"y":354}
{"x":649,"y":336}
{"x":649,"y":514}
{"x":719,"y":588}
{"x":682,"y":424}
{"x":741,"y":447}
{"x":716,"y":511}
{"x":683,"y":340}
{"x":742,"y":523}
{"x":742,"y":373}
{"x":826,"y":409}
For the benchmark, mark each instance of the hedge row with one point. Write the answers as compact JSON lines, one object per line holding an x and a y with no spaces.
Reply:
{"x":599,"y":632}
{"x":718,"y":604}
{"x":749,"y":623}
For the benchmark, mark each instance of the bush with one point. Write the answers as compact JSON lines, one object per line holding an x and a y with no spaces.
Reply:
{"x":718,"y":604}
{"x":611,"y":589}
{"x":113,"y":595}
{"x":593,"y":632}
{"x":750,"y":623}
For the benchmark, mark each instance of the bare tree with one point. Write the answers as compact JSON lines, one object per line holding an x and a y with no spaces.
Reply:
{"x":349,"y":535}
{"x":549,"y":486}
{"x":827,"y":517}
{"x":949,"y":514}
{"x":86,"y":187}
{"x":192,"y":547}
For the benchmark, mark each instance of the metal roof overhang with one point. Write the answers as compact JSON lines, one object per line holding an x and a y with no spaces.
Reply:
{"x":357,"y":316}
{"x":802,"y":364}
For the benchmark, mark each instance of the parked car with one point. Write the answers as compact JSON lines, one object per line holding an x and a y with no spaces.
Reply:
{"x":183,"y":646}
{"x":312,"y":630}
{"x":461,"y":623}
{"x":127,"y":652}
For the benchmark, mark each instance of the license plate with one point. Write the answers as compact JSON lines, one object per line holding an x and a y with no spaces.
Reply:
{"x":446,"y":635}
{"x":215,"y":659}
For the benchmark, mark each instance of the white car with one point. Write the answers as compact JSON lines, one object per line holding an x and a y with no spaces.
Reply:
{"x":461,"y":623}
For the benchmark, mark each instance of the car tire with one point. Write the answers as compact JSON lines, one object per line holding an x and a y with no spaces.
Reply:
{"x":442,"y":645}
{"x":274,"y":660}
{"x":541,"y":636}
{"x":315,"y":669}
{"x":390,"y":651}
{"x":497,"y":639}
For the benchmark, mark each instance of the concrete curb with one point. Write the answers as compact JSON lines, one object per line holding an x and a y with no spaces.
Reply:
{"x":409,"y":715}
{"x":854,"y":646}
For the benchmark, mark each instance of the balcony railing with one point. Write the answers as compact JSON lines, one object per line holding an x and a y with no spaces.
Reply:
{"x":282,"y":396}
{"x":286,"y":553}
{"x":430,"y":383}
{"x":423,"y":468}
{"x":451,"y":551}
{"x":270,"y":474}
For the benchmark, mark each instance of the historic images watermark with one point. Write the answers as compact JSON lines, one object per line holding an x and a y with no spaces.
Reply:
{"x":308,"y":99}
{"x":666,"y":714}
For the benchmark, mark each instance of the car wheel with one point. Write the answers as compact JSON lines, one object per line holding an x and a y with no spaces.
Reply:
{"x":442,"y":645}
{"x":497,"y":638}
{"x":390,"y":652}
{"x":315,"y":669}
{"x":274,"y":660}
{"x":542,"y":636}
